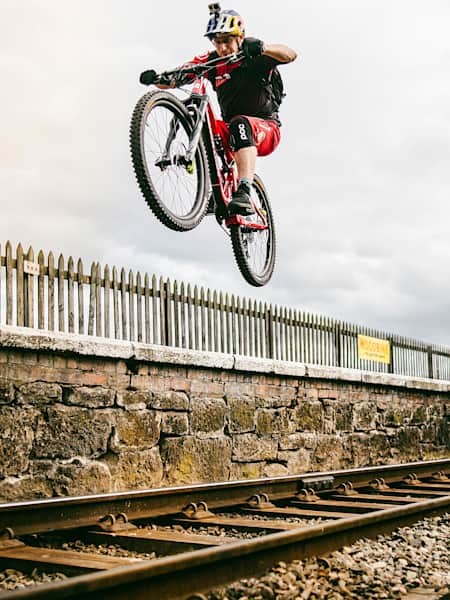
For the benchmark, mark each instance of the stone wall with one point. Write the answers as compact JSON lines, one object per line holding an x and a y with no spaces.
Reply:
{"x":84,"y":415}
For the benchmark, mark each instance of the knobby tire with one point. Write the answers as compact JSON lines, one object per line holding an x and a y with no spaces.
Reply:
{"x":249,"y":242}
{"x":158,"y":100}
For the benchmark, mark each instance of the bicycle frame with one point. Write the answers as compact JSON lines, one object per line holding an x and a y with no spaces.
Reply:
{"x":186,"y":169}
{"x":223,"y":170}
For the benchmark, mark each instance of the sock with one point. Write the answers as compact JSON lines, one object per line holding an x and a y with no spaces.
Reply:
{"x":247,"y":182}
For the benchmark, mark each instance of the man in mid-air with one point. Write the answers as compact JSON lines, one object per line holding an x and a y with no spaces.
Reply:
{"x":249,"y":94}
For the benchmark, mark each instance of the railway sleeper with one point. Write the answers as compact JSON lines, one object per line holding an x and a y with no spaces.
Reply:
{"x":27,"y":558}
{"x":238,"y":523}
{"x":158,"y":541}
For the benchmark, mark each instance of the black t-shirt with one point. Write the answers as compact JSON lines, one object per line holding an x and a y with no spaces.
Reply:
{"x":243,"y":88}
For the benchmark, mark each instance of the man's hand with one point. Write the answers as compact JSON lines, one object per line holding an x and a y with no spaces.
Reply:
{"x":252,"y":47}
{"x":148,"y":77}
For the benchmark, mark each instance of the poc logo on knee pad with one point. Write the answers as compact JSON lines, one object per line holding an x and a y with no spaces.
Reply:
{"x":241,"y":133}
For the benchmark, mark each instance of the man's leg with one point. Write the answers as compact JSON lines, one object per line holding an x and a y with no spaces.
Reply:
{"x":245,"y":162}
{"x":245,"y":153}
{"x":250,"y":137}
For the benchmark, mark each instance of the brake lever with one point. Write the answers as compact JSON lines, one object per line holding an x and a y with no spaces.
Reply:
{"x":166,"y":78}
{"x":237,"y":56}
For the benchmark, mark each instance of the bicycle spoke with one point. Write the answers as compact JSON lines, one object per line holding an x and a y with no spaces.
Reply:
{"x":172,"y":182}
{"x":254,"y":249}
{"x":257,"y":243}
{"x":160,"y":133}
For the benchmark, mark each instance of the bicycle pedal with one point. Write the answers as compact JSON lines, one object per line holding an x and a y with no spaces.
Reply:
{"x":190,"y":167}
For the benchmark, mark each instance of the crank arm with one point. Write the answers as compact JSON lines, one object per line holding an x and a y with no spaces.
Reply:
{"x":163,"y":162}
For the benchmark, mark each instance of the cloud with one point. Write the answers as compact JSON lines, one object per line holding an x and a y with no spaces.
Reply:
{"x":359,"y":185}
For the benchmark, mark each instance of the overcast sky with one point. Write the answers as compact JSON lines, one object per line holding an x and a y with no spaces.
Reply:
{"x":360,"y":184}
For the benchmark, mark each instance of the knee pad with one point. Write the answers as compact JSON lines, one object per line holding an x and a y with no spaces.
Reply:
{"x":241,"y":134}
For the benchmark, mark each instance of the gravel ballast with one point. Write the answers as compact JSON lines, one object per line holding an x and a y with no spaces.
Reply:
{"x":411,"y":558}
{"x":11,"y":579}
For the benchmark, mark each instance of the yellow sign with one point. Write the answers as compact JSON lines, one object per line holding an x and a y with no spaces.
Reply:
{"x":370,"y":348}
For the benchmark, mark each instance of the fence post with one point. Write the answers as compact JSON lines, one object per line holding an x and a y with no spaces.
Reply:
{"x":61,"y":307}
{"x":92,"y":296}
{"x":167,"y":314}
{"x":20,"y":287}
{"x":70,"y":294}
{"x":269,"y":333}
{"x":337,"y":344}
{"x":51,"y":291}
{"x":391,"y":362}
{"x":29,"y":290}
{"x":430,"y":361}
{"x":9,"y":283}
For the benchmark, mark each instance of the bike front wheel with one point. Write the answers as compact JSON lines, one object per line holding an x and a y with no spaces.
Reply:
{"x":176,"y":192}
{"x":255,"y":249}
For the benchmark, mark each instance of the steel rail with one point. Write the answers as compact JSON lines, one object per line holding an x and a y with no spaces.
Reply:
{"x":178,"y":577}
{"x":42,"y":516}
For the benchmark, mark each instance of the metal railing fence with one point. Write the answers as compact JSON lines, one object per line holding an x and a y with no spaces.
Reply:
{"x":57,"y":295}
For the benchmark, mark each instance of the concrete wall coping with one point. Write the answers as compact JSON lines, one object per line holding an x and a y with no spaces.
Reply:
{"x":36,"y":340}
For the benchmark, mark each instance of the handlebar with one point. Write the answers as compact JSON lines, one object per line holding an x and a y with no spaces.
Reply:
{"x":182,"y":75}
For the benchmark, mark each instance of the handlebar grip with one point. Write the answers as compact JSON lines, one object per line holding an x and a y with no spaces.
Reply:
{"x":148,"y":77}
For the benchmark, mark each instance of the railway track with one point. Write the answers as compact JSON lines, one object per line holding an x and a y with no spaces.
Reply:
{"x":173,"y":527}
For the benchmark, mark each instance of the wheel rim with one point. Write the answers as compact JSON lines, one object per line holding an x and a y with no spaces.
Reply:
{"x":257,"y":243}
{"x":177,"y":188}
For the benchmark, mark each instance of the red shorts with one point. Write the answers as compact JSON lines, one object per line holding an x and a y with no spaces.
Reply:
{"x":266,"y":135}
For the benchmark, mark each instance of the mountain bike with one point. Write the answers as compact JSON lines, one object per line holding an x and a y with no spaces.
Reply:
{"x":184,"y":170}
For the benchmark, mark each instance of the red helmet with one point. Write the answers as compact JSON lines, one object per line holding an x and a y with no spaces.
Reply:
{"x":223,"y":21}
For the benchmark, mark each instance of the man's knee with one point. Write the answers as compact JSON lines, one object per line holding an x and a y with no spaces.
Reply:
{"x":241,"y":134}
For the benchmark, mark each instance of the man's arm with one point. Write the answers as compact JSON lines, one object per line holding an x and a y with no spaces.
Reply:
{"x":147,"y":77}
{"x":253,"y":47}
{"x":279,"y":52}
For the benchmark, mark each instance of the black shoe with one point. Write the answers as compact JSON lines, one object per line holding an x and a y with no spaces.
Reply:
{"x":240,"y":203}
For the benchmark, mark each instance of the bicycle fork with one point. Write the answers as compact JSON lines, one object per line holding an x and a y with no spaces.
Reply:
{"x":198,"y":113}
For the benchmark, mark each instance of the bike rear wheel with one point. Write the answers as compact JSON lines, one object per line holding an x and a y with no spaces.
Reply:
{"x":255,"y":249}
{"x":176,"y":192}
